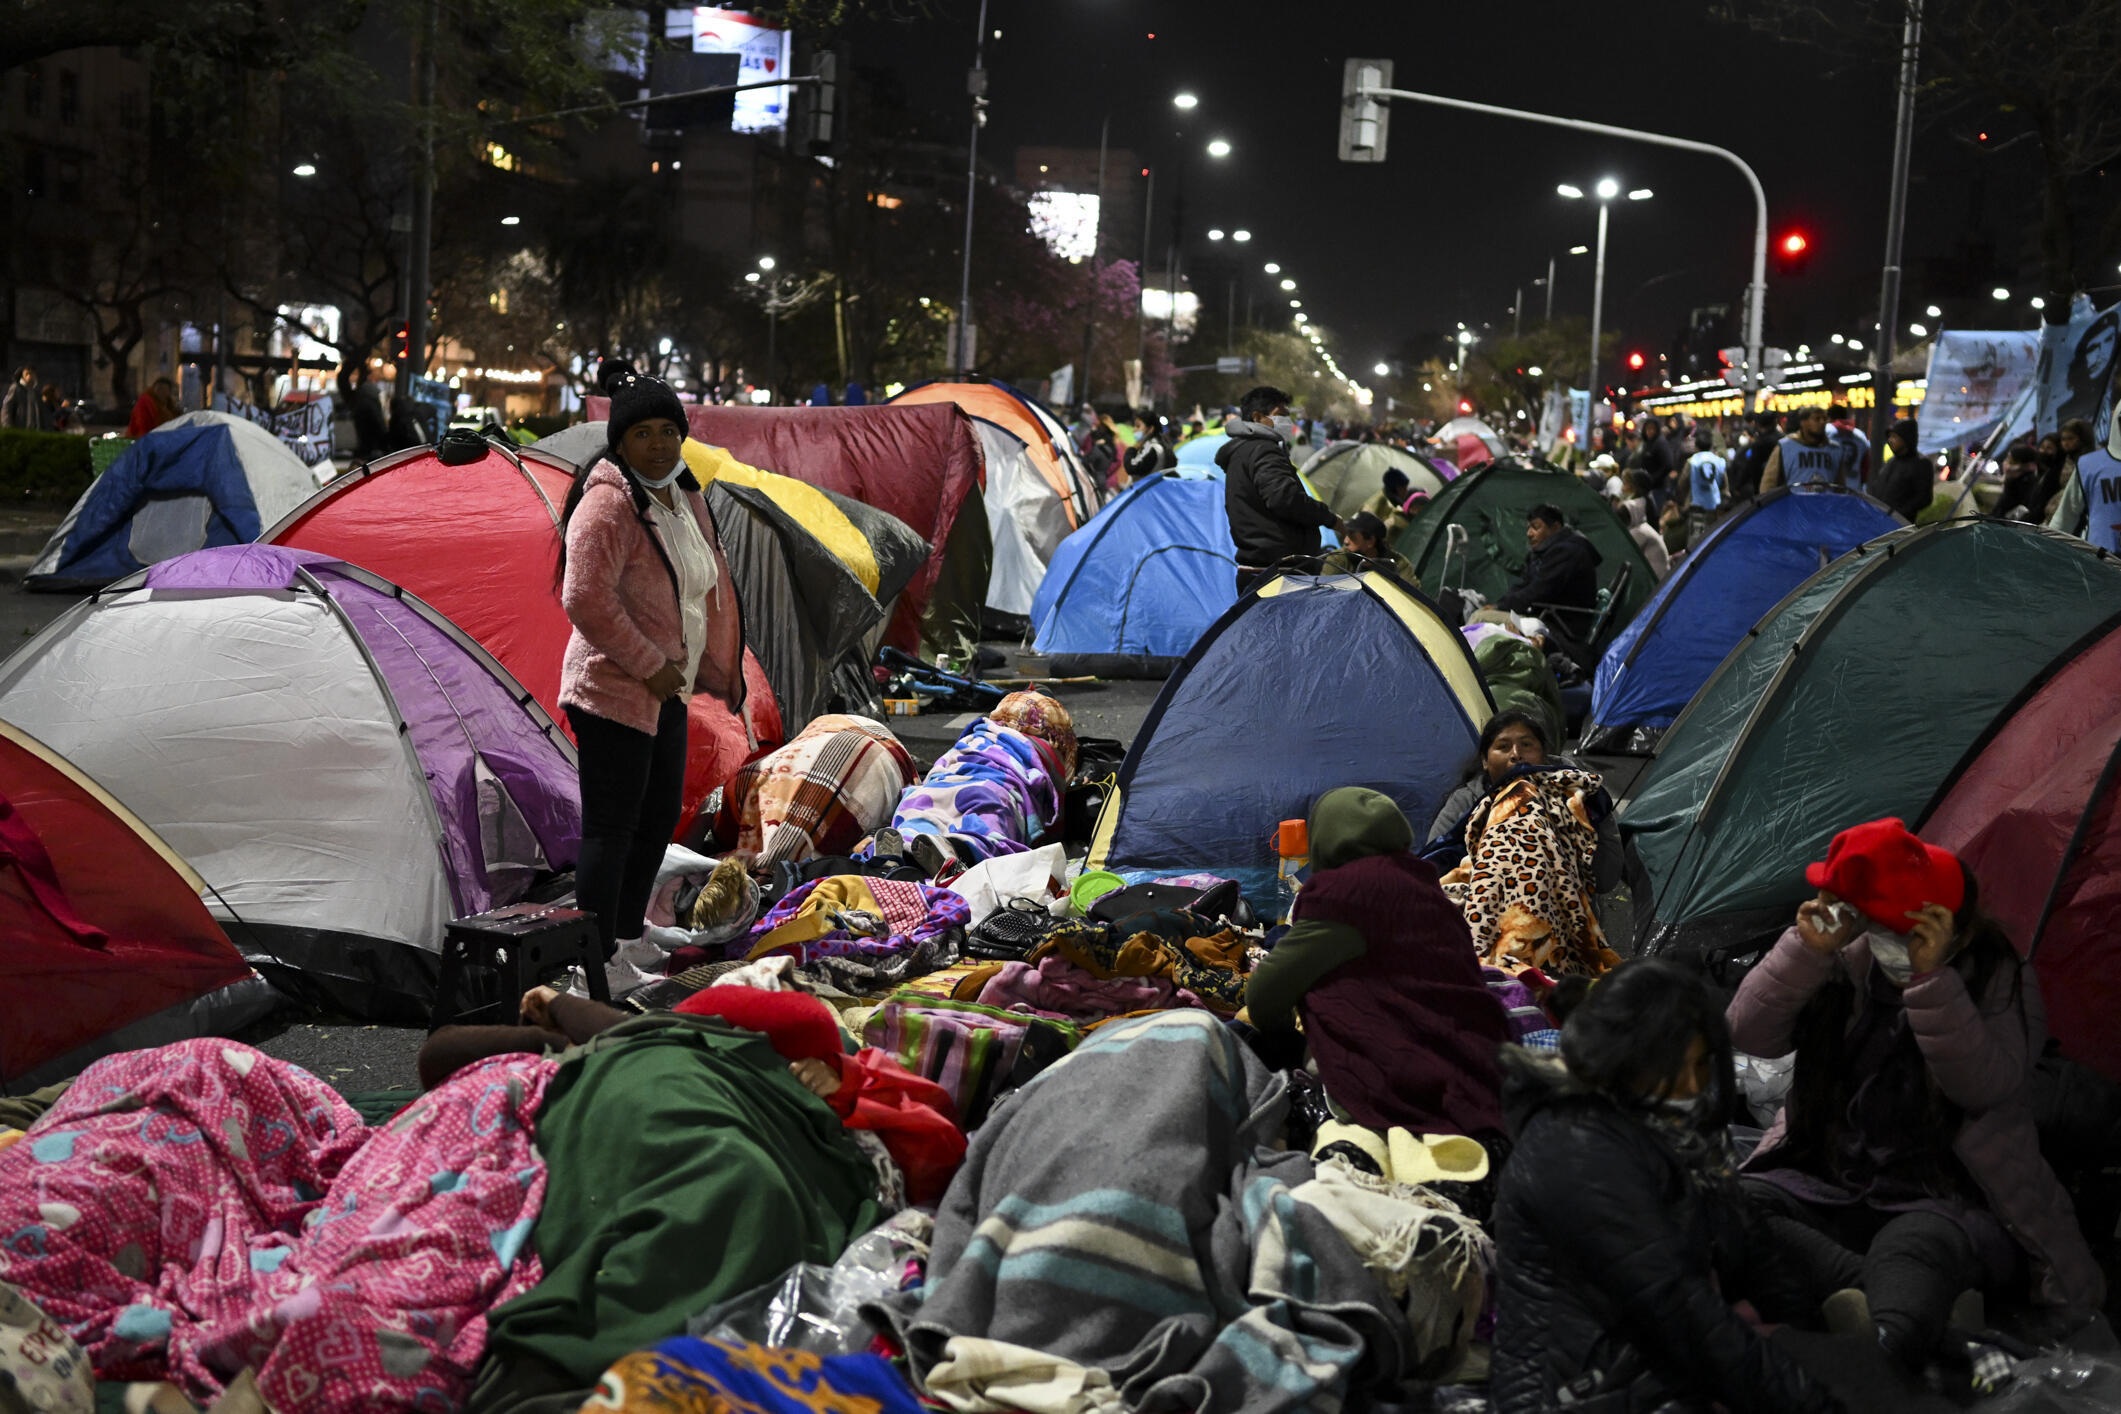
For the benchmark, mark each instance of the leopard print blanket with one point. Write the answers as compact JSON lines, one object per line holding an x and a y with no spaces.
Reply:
{"x":1526,"y":884}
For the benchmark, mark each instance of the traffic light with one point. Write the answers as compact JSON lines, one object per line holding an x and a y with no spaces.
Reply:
{"x":1793,"y":251}
{"x":1364,"y":122}
{"x":1635,"y":362}
{"x":1465,"y":407}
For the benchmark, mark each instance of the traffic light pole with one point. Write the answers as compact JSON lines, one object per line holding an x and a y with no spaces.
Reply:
{"x":1756,"y":299}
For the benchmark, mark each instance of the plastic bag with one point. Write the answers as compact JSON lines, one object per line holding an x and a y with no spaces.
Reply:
{"x":1764,"y":1083}
{"x":818,"y":1308}
{"x":2061,"y":1382}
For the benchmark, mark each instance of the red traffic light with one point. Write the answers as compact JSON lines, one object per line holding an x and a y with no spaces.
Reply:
{"x":1795,"y":244}
{"x":1635,"y":361}
{"x":1464,"y":407}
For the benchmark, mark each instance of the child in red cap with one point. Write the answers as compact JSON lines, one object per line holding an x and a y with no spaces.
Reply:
{"x":1905,"y":1169}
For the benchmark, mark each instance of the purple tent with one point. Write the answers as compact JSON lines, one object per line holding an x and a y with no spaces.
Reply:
{"x":346,"y":769}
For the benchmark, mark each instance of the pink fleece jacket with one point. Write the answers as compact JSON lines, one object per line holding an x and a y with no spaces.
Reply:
{"x":620,"y":592}
{"x":1980,"y":1055}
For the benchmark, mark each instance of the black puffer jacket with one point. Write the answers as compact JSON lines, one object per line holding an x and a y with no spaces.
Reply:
{"x":1272,"y":517}
{"x":1563,"y":571}
{"x":1610,"y":1260}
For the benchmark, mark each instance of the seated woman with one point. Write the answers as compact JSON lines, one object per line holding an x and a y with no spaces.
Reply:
{"x":1378,"y":963}
{"x":1539,"y":842}
{"x":997,"y":791}
{"x":1621,"y":1234}
{"x":1367,"y":545}
{"x":1905,"y":1168}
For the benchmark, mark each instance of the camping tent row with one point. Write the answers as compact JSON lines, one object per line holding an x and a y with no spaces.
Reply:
{"x":1489,"y":504}
{"x":344,"y":769}
{"x":1758,"y":553}
{"x":1961,"y":677}
{"x":202,"y":479}
{"x":1257,"y":690}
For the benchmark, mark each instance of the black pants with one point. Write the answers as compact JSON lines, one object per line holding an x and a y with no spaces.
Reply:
{"x":1911,"y":1266}
{"x":633,"y":790}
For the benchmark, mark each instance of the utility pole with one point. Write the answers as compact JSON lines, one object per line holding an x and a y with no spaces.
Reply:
{"x":1141,"y":276}
{"x":1517,"y":315}
{"x":1895,"y":230}
{"x":1590,"y":412}
{"x":418,"y":281}
{"x":1550,"y":289}
{"x":976,"y":85}
{"x":1097,"y":253}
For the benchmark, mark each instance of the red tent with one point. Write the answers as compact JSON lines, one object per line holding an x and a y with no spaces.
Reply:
{"x":101,"y":927}
{"x":2034,"y":815}
{"x":478,"y":542}
{"x":917,"y":463}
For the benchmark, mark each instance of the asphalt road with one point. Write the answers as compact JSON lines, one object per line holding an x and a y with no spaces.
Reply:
{"x":354,"y":1056}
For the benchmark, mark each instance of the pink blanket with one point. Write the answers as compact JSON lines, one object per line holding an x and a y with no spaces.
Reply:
{"x":195,"y":1210}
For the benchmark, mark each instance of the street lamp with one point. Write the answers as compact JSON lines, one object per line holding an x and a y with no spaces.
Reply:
{"x":773,"y":324}
{"x":511,"y":220}
{"x":1240,"y":236}
{"x":2000,"y":293}
{"x":1185,"y":102}
{"x":1219,"y":148}
{"x":1383,"y":370}
{"x":1607,"y":189}
{"x":1272,"y":268}
{"x":2039,"y":303}
{"x":1288,"y":284}
{"x":305,"y":169}
{"x":1215,"y":234}
{"x":1918,"y":330}
{"x":1934,"y":312}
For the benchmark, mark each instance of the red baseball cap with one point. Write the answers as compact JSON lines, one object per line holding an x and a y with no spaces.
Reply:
{"x":1887,"y":873}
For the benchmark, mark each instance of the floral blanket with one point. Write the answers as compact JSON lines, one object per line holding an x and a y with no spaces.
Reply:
{"x":195,"y":1210}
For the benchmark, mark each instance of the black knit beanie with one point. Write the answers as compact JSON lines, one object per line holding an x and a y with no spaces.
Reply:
{"x":636,"y":397}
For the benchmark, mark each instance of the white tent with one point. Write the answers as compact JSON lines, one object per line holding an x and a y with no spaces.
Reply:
{"x":1026,"y":520}
{"x":199,"y":480}
{"x":344,"y":768}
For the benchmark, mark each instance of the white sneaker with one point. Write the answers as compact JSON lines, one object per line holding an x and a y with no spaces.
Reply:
{"x":620,"y":978}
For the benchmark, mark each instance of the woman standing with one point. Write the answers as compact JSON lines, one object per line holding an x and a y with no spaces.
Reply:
{"x":656,"y":618}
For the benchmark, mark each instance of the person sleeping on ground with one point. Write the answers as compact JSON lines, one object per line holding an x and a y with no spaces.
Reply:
{"x":997,"y":791}
{"x":1905,"y":1170}
{"x":1379,"y":965}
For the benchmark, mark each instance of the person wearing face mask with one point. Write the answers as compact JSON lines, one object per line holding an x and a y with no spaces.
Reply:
{"x":1624,"y":1242}
{"x":656,"y":619}
{"x":1905,"y":1168}
{"x":1272,"y":517}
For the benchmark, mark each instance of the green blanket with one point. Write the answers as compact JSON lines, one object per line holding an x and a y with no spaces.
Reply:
{"x":686,"y":1166}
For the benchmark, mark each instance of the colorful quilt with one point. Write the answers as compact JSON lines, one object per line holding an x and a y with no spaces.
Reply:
{"x":195,"y":1210}
{"x":688,"y":1376}
{"x":822,"y":793}
{"x":995,"y":792}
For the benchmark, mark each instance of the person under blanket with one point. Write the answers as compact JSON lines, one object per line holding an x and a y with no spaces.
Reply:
{"x":869,"y":1091}
{"x":997,"y":791}
{"x":1402,"y":1026}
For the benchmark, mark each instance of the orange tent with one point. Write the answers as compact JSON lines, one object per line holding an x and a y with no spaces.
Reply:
{"x":1003,"y":406}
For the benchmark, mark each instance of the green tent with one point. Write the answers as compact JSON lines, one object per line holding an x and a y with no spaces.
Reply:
{"x":1346,"y":474}
{"x":1859,"y":696}
{"x":1490,"y":501}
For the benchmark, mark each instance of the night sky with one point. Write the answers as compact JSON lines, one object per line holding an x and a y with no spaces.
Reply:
{"x":1464,"y":210}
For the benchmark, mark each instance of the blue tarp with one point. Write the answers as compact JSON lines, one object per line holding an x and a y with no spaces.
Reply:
{"x":171,"y":463}
{"x":1147,"y":575}
{"x":1323,"y":683}
{"x":1721,"y":589}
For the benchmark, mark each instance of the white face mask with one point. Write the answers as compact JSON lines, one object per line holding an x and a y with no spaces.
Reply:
{"x":675,"y":472}
{"x":1889,"y":952}
{"x":1286,"y":426}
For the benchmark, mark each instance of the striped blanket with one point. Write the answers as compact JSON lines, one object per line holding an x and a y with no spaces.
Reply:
{"x":1129,"y":1209}
{"x":823,"y":793}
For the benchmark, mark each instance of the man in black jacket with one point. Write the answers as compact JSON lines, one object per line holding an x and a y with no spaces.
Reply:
{"x":1272,"y":516}
{"x":1561,"y":572}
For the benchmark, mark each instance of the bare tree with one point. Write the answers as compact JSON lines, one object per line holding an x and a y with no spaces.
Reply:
{"x":2051,"y":69}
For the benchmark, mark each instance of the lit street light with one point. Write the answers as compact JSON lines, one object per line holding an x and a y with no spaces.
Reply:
{"x":766,"y":262}
{"x":1272,"y":268}
{"x":2039,"y":303}
{"x":2000,"y":293}
{"x":1934,"y":312}
{"x":1240,"y":236}
{"x":773,"y":323}
{"x":1219,"y":148}
{"x":1607,"y":189}
{"x":1579,"y":250}
{"x":1215,"y":235}
{"x":511,"y":220}
{"x":305,"y":169}
{"x":1184,"y":101}
{"x":1288,"y":284}
{"x":1918,"y":331}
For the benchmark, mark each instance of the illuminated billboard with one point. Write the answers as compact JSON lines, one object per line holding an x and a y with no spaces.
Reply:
{"x":762,"y":50}
{"x":1066,"y":221}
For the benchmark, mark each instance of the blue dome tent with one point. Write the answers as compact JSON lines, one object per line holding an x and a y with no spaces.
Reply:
{"x":1307,"y":683}
{"x":197,"y":481}
{"x":1759,"y":553}
{"x":1202,"y":449}
{"x":1142,"y":581}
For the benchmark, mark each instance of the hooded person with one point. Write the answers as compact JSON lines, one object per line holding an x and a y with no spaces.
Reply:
{"x":1379,"y":965}
{"x":1272,"y":517}
{"x":1905,"y":1168}
{"x":656,"y":619}
{"x":1389,"y":505}
{"x":1623,"y":1240}
{"x":1560,"y":570}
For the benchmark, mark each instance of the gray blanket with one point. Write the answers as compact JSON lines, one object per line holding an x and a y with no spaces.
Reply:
{"x":1130,"y":1209}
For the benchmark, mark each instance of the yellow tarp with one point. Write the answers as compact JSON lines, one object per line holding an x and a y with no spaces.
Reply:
{"x":811,"y":508}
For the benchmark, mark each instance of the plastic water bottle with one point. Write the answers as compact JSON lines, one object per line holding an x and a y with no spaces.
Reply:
{"x":1292,"y":843}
